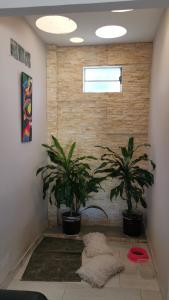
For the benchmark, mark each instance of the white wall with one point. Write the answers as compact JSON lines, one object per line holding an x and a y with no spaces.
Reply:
{"x":23,"y":214}
{"x":159,"y":138}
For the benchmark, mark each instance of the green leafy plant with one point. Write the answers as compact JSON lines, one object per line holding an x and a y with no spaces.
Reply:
{"x":66,"y":179}
{"x":132,"y":178}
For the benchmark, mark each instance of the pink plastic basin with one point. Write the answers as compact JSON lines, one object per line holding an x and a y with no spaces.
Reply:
{"x":137,"y":254}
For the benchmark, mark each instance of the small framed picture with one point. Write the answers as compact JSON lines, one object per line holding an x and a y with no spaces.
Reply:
{"x":21,"y":54}
{"x":14,"y":49}
{"x":27,"y":59}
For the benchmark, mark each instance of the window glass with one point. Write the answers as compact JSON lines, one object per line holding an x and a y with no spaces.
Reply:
{"x":104,"y":79}
{"x":102,"y":87}
{"x":102,"y":74}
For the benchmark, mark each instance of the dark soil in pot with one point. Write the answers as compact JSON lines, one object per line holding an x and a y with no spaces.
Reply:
{"x":71,"y":223}
{"x":133,"y":223}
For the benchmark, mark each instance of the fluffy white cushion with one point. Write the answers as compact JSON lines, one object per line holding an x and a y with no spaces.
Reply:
{"x":99,"y":269}
{"x":96,"y":244}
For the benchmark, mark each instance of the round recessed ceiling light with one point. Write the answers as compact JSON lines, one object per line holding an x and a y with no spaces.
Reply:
{"x":56,"y":24}
{"x":111,"y":31}
{"x":122,"y":10}
{"x":77,"y":40}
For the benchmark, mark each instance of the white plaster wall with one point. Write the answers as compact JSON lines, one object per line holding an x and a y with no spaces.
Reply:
{"x":23,"y":214}
{"x":159,"y":138}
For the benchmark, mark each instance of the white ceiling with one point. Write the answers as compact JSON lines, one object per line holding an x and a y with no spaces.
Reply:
{"x":141,"y":25}
{"x":32,"y":7}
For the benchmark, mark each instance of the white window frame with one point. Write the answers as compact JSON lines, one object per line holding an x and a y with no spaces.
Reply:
{"x":102,"y":67}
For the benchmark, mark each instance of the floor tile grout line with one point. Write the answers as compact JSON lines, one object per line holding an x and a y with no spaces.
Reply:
{"x":64,"y":291}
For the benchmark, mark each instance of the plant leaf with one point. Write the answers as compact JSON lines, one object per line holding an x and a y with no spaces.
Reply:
{"x":143,"y":203}
{"x":71,"y":151}
{"x":130,"y":146}
{"x":124,"y":152}
{"x":59,"y":147}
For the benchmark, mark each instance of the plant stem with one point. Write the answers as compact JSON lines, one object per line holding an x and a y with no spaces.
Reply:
{"x":129,"y":203}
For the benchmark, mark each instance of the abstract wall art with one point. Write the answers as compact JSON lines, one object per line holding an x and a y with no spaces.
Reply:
{"x":19,"y":53}
{"x":14,"y":49}
{"x":26,"y":107}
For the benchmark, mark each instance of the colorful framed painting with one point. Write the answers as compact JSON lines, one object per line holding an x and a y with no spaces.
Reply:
{"x":26,"y":107}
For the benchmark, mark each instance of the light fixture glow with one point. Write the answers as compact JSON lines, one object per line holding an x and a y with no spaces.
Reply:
{"x":122,"y":10}
{"x":56,"y":24}
{"x":111,"y":32}
{"x":77,"y":40}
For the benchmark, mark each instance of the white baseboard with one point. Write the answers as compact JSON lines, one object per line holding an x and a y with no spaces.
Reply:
{"x":11,"y":274}
{"x":154,"y":260}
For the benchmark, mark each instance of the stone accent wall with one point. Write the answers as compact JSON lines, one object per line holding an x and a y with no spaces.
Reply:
{"x":52,"y":83}
{"x":90,"y":118}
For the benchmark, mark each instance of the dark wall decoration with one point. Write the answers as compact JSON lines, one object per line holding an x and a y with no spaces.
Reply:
{"x":26,"y":107}
{"x":19,"y":53}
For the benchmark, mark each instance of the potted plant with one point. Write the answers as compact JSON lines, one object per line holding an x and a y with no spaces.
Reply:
{"x":132,"y":180}
{"x":69,"y":181}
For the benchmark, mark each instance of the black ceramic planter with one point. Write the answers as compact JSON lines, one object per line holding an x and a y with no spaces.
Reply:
{"x":132,"y":223}
{"x":71,"y":223}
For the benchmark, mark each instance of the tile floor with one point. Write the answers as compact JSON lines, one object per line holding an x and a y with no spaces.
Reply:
{"x":110,"y":231}
{"x":137,"y":282}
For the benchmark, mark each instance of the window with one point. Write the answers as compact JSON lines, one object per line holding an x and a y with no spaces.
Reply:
{"x":106,"y":79}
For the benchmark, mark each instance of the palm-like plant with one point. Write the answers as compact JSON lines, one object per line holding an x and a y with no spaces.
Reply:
{"x":132,"y":178}
{"x":68,"y":180}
